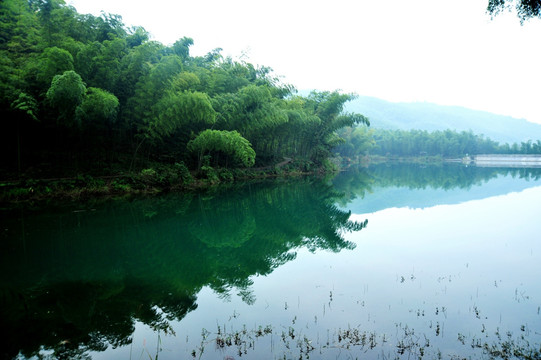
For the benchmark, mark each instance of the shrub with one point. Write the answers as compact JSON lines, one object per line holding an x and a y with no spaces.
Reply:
{"x":149,"y":176}
{"x":225,"y":175}
{"x":183,"y":173}
{"x":209,"y":174}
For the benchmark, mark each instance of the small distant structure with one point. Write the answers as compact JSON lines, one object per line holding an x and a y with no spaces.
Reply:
{"x":514,"y":160}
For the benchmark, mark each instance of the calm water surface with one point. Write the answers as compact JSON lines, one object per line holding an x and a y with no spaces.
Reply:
{"x":379,"y":263}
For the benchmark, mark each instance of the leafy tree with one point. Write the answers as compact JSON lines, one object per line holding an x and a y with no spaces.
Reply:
{"x":86,"y":60}
{"x":525,"y":9}
{"x":180,"y":113}
{"x":253,"y":112}
{"x":108,"y":64}
{"x":66,"y":93}
{"x":98,"y":109}
{"x":328,"y":107}
{"x":228,"y":76}
{"x":135,"y":66}
{"x":177,"y":110}
{"x":10,"y":81}
{"x":231,"y":143}
{"x":181,"y":47}
{"x":53,"y":61}
{"x":19,"y":32}
{"x":110,"y":26}
{"x":137,"y":35}
{"x":446,"y":143}
{"x":185,"y":81}
{"x":25,"y":107}
{"x":150,"y":89}
{"x":142,"y":92}
{"x":358,"y":141}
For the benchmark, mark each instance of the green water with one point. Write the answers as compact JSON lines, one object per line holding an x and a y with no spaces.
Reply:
{"x":385,"y":262}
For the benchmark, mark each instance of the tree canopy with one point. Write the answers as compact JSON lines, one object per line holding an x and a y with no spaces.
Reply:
{"x":525,"y":9}
{"x":230,"y":143}
{"x":414,"y":143}
{"x":85,"y":93}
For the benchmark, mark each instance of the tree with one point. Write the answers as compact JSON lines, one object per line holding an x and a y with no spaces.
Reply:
{"x":358,"y":141}
{"x":525,"y":9}
{"x":329,"y":108}
{"x":180,"y":109}
{"x":150,"y":88}
{"x":25,"y":107}
{"x":137,"y":35}
{"x":98,"y":86}
{"x":65,"y":94}
{"x":98,"y":109}
{"x":54,"y":61}
{"x":175,"y":112}
{"x":181,"y":47}
{"x":230,"y":143}
{"x":18,"y":28}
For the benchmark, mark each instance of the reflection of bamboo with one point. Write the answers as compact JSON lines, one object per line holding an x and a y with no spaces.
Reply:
{"x":23,"y":237}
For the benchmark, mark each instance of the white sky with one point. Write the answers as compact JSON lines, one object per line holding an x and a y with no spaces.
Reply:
{"x":440,"y":51}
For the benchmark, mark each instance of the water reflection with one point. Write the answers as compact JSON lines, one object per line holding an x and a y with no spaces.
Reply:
{"x":451,"y":281}
{"x":76,"y":279}
{"x":378,"y":187}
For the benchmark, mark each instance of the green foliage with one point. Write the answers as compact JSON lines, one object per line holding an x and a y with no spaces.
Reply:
{"x":230,"y":143}
{"x":65,"y":94}
{"x":328,"y":107}
{"x":150,"y":88}
{"x":100,"y":63}
{"x":26,"y":105}
{"x":208,"y":172}
{"x":9,"y":80}
{"x":446,"y":143}
{"x":137,"y":35}
{"x":225,"y":175}
{"x":181,"y":47}
{"x":137,"y":102}
{"x":179,"y":109}
{"x":18,"y":29}
{"x":166,"y":176}
{"x":432,"y":117}
{"x":121,"y":185}
{"x":185,"y":81}
{"x":98,"y":108}
{"x":54,"y":61}
{"x":149,"y":176}
{"x":183,"y":173}
{"x":358,"y":141}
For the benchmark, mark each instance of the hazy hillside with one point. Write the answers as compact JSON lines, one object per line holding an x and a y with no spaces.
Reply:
{"x":431,"y":117}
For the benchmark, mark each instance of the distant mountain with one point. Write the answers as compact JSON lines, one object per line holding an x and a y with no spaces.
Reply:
{"x":431,"y":117}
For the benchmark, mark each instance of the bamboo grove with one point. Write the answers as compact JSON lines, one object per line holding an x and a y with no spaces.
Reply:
{"x":86,"y":94}
{"x":360,"y":141}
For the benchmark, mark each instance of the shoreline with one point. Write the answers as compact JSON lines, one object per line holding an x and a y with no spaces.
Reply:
{"x":177,"y":178}
{"x":146,"y":182}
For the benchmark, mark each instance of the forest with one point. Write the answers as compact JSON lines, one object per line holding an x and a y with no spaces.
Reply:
{"x":415,"y":143}
{"x":86,"y":95}
{"x":91,"y":103}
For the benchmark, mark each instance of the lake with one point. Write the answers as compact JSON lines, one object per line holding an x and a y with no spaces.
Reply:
{"x":384,"y":262}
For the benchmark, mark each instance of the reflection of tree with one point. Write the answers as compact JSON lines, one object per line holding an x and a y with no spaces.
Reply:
{"x":357,"y":181}
{"x":76,"y":281}
{"x":353,"y":183}
{"x":72,"y":318}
